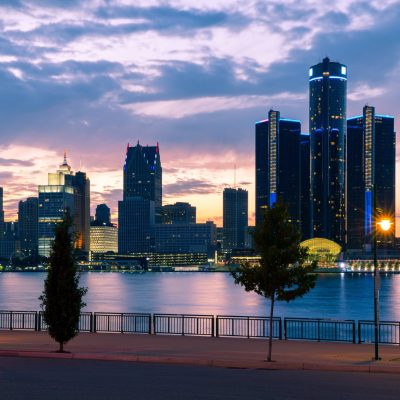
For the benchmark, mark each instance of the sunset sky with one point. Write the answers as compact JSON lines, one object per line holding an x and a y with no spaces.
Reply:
{"x":90,"y":76}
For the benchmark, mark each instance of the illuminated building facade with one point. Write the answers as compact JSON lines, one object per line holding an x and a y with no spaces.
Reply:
{"x":328,"y":89}
{"x":179,"y":213}
{"x":64,"y":191}
{"x":235,"y":218}
{"x":103,"y":239}
{"x":28,"y":225}
{"x":371,"y":166}
{"x":278,"y":164}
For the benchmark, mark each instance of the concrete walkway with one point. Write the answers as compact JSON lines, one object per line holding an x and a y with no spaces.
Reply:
{"x":222,"y":352}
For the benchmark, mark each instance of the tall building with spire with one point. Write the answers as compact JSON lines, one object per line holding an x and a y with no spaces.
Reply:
{"x":328,"y":91}
{"x":278,"y":164}
{"x":64,"y":190}
{"x":371,"y":165}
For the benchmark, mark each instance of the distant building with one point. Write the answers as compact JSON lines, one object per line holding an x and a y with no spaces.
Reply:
{"x":179,"y":213}
{"x":185,"y":238}
{"x":235,"y":218}
{"x":371,"y":158}
{"x":28,"y":226}
{"x":136,"y":219}
{"x":64,"y":191}
{"x":103,"y":215}
{"x":143,"y":176}
{"x":103,"y":238}
{"x":11,"y":231}
{"x":1,"y":214}
{"x":328,"y":91}
{"x":278,"y":165}
{"x":305,"y":179}
{"x":9,"y":249}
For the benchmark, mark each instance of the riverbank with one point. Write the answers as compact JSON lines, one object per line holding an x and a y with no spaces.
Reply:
{"x":219,"y":352}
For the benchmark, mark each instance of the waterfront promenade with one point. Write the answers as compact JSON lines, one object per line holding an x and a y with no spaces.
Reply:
{"x":200,"y":351}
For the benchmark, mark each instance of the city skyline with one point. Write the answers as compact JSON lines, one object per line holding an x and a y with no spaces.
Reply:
{"x":76,"y":87}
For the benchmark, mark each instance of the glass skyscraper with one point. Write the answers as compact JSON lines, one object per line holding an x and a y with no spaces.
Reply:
{"x":143,"y":175}
{"x":235,"y":218}
{"x":328,"y":89}
{"x":278,"y":164}
{"x":371,"y":166}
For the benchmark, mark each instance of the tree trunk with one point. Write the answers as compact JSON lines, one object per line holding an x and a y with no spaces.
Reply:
{"x":271,"y":327}
{"x":61,"y":350}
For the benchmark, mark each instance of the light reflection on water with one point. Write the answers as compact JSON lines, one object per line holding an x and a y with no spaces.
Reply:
{"x":345,"y":296}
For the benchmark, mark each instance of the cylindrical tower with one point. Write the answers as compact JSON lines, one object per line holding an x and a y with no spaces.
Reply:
{"x":328,"y":88}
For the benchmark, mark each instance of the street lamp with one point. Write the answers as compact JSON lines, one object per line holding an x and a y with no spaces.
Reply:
{"x":384,"y":225}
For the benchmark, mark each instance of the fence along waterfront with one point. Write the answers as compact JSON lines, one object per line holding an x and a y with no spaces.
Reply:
{"x":318,"y":329}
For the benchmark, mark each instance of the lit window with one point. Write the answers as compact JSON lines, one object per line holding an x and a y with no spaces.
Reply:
{"x":344,"y":70}
{"x":310,"y":72}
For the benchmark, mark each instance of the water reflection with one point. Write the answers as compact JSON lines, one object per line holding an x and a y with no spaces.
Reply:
{"x":344,"y":296}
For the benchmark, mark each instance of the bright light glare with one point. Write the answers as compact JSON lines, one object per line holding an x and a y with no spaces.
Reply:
{"x":385,"y":224}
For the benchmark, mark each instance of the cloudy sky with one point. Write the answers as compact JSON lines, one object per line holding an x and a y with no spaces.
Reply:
{"x":89,"y":76}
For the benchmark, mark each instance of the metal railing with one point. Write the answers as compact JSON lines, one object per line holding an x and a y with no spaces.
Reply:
{"x":389,"y":332}
{"x":18,"y":320}
{"x":320,"y":329}
{"x":183,"y":324}
{"x":121,"y":322}
{"x":250,"y":327}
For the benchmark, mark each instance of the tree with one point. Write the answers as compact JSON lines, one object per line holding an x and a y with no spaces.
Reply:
{"x":281,"y":274}
{"x":62,"y":296}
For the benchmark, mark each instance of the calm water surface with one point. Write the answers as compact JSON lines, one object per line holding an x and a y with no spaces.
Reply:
{"x":344,"y":296}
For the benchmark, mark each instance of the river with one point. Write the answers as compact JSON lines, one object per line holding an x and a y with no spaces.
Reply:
{"x":340,"y":296}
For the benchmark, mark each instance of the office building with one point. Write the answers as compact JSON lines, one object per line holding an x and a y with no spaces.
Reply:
{"x":136,"y":218}
{"x":179,"y":213}
{"x":28,"y":226}
{"x":103,"y":238}
{"x":82,"y":211}
{"x":328,"y":89}
{"x":103,"y":215}
{"x":1,"y":214}
{"x":143,"y":176}
{"x":305,"y":178}
{"x":235,"y":218}
{"x":371,"y":164}
{"x":64,"y":191}
{"x":278,"y":164}
{"x":186,"y":238}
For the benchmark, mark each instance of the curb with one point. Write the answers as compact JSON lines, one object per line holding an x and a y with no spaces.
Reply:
{"x":255,"y":365}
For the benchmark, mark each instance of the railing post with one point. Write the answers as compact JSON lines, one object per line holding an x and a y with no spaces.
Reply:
{"x":280,"y":328}
{"x":354,"y":331}
{"x":149,"y":324}
{"x":359,"y":331}
{"x":318,"y":324}
{"x":11,"y":320}
{"x":122,"y":323}
{"x":285,"y":328}
{"x":36,"y":321}
{"x":94,"y":322}
{"x":183,"y":325}
{"x":212,"y":326}
{"x":154,"y":324}
{"x":248,"y":327}
{"x":217,"y":326}
{"x":91,"y":322}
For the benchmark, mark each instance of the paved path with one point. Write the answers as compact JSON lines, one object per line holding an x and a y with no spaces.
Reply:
{"x":224,"y":352}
